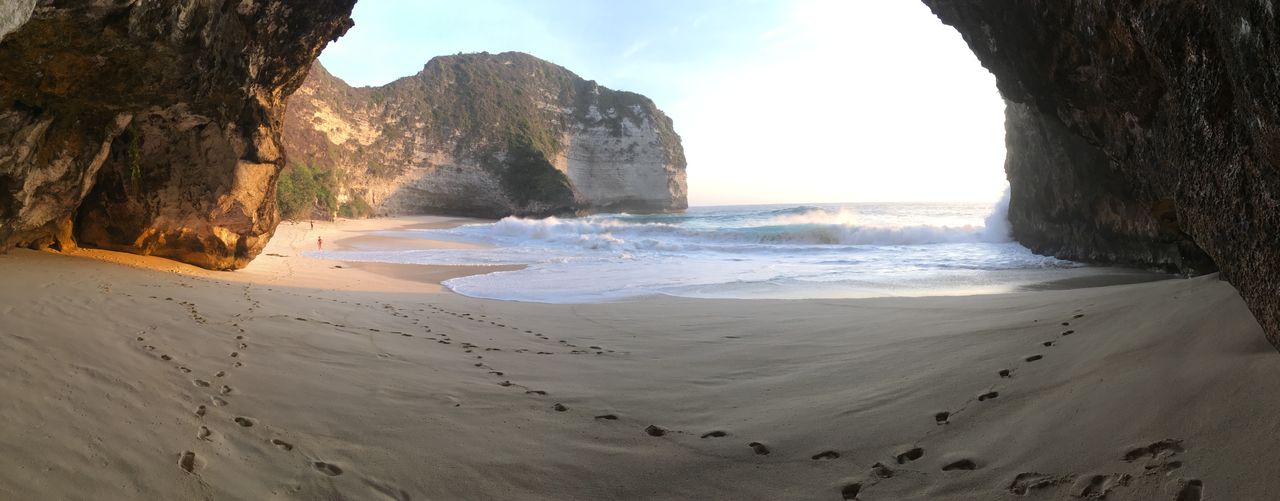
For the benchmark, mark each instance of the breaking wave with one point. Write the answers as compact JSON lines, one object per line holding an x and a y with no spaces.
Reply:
{"x":827,"y":250}
{"x":791,"y":227}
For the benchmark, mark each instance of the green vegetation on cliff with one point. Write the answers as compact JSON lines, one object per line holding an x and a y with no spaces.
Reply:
{"x":310,"y":191}
{"x":355,"y":208}
{"x":530,"y":178}
{"x":305,"y":188}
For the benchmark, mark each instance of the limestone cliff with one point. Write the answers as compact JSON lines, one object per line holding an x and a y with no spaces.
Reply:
{"x":1141,"y":132}
{"x":488,"y":135}
{"x":151,"y":127}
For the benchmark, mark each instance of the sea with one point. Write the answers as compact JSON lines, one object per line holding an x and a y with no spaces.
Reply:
{"x":781,"y":251}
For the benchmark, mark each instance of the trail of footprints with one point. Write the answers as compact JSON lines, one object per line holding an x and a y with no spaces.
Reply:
{"x":191,"y":462}
{"x":188,"y":460}
{"x":1158,"y":458}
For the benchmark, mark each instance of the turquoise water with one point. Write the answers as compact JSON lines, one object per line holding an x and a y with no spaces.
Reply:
{"x":747,"y":251}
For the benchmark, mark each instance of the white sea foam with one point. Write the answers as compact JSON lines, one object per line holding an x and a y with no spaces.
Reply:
{"x":804,"y":225}
{"x":837,"y":250}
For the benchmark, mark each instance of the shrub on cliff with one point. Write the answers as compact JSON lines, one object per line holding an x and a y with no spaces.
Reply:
{"x":305,"y":188}
{"x":355,"y":208}
{"x":530,"y":178}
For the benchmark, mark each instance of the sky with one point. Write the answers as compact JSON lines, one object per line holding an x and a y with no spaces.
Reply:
{"x":776,"y":101}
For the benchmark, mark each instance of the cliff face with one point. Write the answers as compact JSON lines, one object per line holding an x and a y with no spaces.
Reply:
{"x":151,"y":127}
{"x":1141,"y":132}
{"x":488,"y":135}
{"x":1068,"y":200}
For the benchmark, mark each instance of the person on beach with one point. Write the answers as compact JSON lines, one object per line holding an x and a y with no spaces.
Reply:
{"x":319,"y":243}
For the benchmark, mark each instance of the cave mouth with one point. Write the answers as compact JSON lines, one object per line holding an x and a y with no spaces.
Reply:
{"x":945,"y":120}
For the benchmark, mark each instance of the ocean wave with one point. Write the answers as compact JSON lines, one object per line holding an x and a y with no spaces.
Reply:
{"x":833,"y":250}
{"x":801,"y":226}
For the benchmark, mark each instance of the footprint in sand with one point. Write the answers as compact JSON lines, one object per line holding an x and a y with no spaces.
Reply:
{"x":759,"y":448}
{"x":200,"y":410}
{"x":881,"y":471}
{"x":655,"y":431}
{"x":1033,"y":358}
{"x":715,"y":434}
{"x":218,"y":401}
{"x":608,"y":417}
{"x":200,"y":382}
{"x":559,"y":407}
{"x":329,"y":469}
{"x":188,"y":461}
{"x":1192,"y":490}
{"x":281,"y":444}
{"x":850,"y":492}
{"x":166,"y":358}
{"x":1029,"y":481}
{"x":910,"y":455}
{"x":535,"y":392}
{"x":1078,"y":315}
{"x":219,"y":373}
{"x":942,"y":417}
{"x":1006,"y":373}
{"x":203,"y":433}
{"x":1066,"y":323}
{"x":244,"y":421}
{"x":988,"y":396}
{"x":225,"y":390}
{"x":825,"y":455}
{"x":1049,"y":343}
{"x":1098,"y":486}
{"x":1166,"y":447}
{"x":1068,"y":332}
{"x":963,"y":464}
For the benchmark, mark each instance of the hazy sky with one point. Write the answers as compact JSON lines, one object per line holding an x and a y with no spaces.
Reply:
{"x":775,"y":100}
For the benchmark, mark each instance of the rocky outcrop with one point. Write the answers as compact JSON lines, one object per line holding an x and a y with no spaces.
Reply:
{"x":488,"y":135}
{"x":151,"y":127}
{"x":1141,"y":132}
{"x":1067,"y":200}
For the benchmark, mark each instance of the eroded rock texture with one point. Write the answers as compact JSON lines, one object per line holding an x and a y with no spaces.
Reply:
{"x":1067,"y":200}
{"x":488,"y":135}
{"x":152,"y":127}
{"x":1141,"y":132}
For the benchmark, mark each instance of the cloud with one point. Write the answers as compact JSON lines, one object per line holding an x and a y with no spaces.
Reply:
{"x":634,"y":49}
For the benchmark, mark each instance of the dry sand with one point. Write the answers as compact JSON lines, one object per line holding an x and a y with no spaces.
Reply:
{"x":294,"y":379}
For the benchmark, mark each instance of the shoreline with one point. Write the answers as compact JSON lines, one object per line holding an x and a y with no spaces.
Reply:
{"x":360,"y":235}
{"x":295,"y":379}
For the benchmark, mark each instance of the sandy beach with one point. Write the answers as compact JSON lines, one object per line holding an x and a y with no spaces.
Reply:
{"x":127,"y":377}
